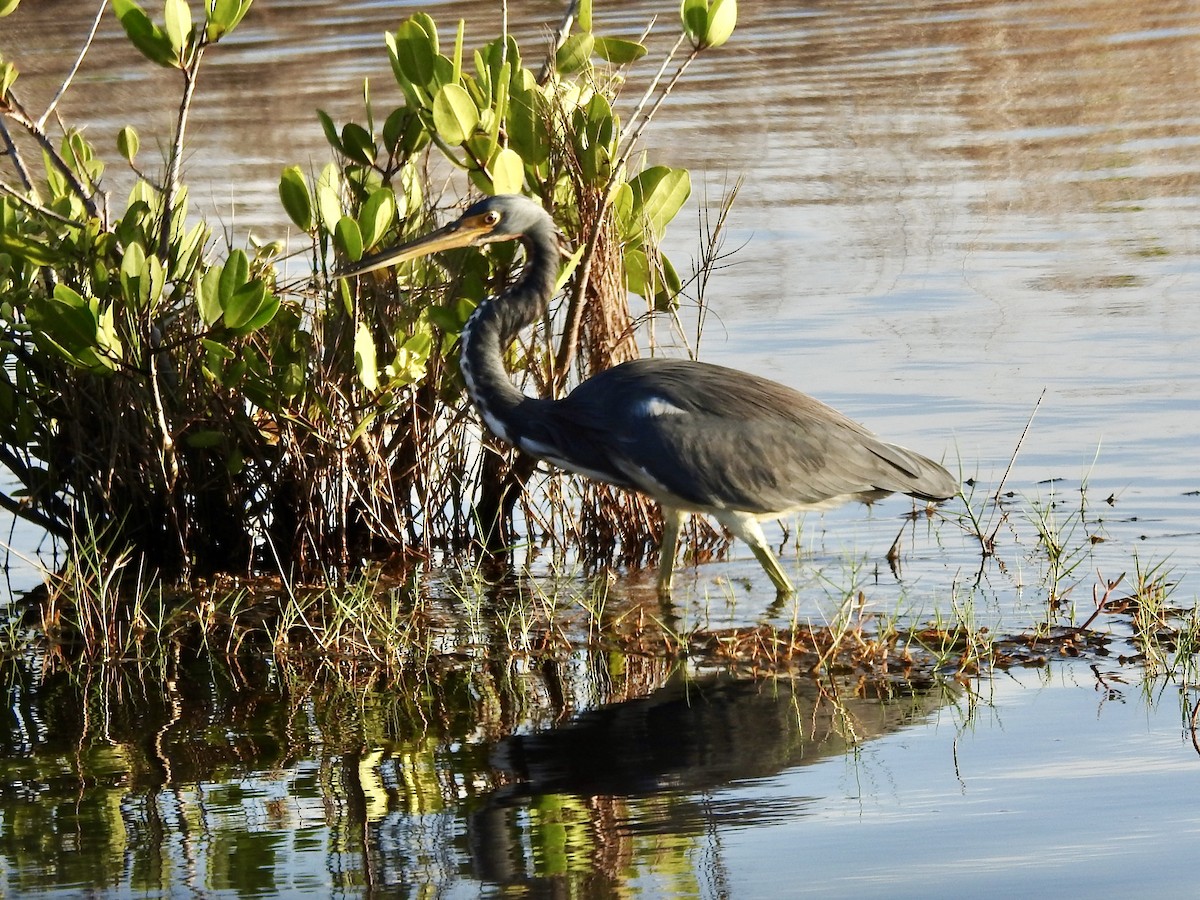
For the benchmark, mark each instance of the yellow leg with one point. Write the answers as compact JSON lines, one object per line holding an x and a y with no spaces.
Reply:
{"x":673,"y":520}
{"x":746,"y":527}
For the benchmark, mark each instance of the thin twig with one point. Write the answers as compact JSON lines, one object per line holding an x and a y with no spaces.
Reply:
{"x":191,"y":71}
{"x":1192,"y":725}
{"x":43,"y":211}
{"x":75,"y":68}
{"x":559,"y":38}
{"x":574,"y":319}
{"x":11,"y":151}
{"x":17,"y":113}
{"x":1013,"y":459}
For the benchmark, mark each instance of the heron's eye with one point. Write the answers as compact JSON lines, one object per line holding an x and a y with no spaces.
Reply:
{"x":491,"y":218}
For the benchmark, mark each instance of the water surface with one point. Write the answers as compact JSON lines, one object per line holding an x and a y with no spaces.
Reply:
{"x":949,"y":211}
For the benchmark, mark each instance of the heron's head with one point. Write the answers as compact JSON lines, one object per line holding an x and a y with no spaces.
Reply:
{"x":504,"y":217}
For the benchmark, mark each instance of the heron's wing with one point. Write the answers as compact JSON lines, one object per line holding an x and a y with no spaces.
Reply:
{"x":708,"y":437}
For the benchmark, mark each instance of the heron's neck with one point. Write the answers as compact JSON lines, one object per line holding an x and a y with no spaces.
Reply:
{"x":496,"y":323}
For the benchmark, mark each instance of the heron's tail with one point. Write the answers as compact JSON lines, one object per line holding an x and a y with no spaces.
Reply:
{"x":916,"y":475}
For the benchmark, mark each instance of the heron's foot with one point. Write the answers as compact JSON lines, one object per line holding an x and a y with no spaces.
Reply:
{"x":666,"y":578}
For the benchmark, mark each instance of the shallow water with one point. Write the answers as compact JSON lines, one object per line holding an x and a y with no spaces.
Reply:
{"x":948,"y":211}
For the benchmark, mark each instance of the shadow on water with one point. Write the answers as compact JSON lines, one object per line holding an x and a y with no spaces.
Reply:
{"x":255,"y":780}
{"x":657,"y":765}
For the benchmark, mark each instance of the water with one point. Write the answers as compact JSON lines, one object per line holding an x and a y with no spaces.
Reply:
{"x":948,"y":211}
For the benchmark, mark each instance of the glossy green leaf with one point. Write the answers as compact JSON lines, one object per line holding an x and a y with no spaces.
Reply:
{"x":266,"y":312}
{"x":221,"y":351}
{"x":208,"y":295}
{"x":244,"y":304}
{"x":69,"y":325}
{"x":224,"y":15}
{"x":358,"y":144}
{"x":454,"y":114}
{"x":177,"y":17}
{"x":135,"y":275}
{"x":297,"y":202}
{"x":347,"y":236}
{"x":364,"y":357}
{"x":668,"y":286}
{"x":331,"y":133}
{"x":575,"y":52}
{"x":108,"y":342}
{"x":411,"y":356}
{"x":8,"y":76}
{"x":619,"y":52}
{"x":148,"y":38}
{"x":694,"y":15}
{"x":526,"y":126}
{"x":378,"y":214}
{"x":412,"y":52}
{"x":22,"y":247}
{"x":128,"y":143}
{"x":508,"y":172}
{"x":329,"y":198}
{"x":722,"y":17}
{"x":234,"y":275}
{"x":658,"y":194}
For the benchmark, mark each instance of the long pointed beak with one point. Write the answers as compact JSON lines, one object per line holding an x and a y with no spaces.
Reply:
{"x":456,"y":234}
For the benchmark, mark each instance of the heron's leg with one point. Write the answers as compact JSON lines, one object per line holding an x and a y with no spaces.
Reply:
{"x":745,"y":526}
{"x":673,"y":520}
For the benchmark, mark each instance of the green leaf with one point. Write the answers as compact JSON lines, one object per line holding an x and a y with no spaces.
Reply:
{"x":244,"y":304}
{"x":413,"y":52}
{"x":358,"y":144}
{"x":134,"y":275}
{"x":234,"y":275}
{"x":508,"y":172}
{"x":329,"y":198}
{"x":223,"y":16}
{"x":8,"y":7}
{"x":218,"y":350}
{"x":348,"y":237}
{"x":669,"y":286}
{"x":148,"y":38}
{"x":177,"y":16}
{"x":28,"y":249}
{"x":409,"y":365}
{"x":208,"y":295}
{"x":128,"y":143}
{"x":694,"y":15}
{"x":8,"y":76}
{"x":364,"y":358}
{"x":377,"y":216}
{"x":722,"y":17}
{"x":584,"y":13}
{"x":331,"y":132}
{"x":454,"y":114}
{"x":107,"y":339}
{"x":658,"y":194}
{"x":266,"y":312}
{"x":69,"y":325}
{"x":297,"y":202}
{"x":575,"y":52}
{"x":619,"y":52}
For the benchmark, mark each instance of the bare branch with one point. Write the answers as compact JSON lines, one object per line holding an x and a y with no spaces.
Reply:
{"x":75,"y":68}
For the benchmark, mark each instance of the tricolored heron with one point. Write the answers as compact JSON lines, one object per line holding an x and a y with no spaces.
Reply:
{"x":694,"y":436}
